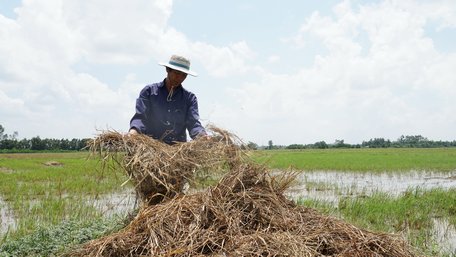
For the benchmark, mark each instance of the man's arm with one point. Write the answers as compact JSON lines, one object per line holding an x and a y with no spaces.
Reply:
{"x":138,"y":119}
{"x":194,"y":127}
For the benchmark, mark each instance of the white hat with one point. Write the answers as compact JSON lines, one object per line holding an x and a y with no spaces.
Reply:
{"x":179,"y":63}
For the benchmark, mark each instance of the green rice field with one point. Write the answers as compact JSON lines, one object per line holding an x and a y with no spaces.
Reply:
{"x":47,"y":188}
{"x":47,"y":199}
{"x":369,"y":160}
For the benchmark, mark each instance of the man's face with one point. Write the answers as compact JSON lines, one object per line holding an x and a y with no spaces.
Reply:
{"x":176,"y":77}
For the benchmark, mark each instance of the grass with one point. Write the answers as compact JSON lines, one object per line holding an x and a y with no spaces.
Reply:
{"x":50,"y":241}
{"x":410,"y":214}
{"x":41,"y":195}
{"x":412,"y":210}
{"x":48,"y":201}
{"x":363,"y":160}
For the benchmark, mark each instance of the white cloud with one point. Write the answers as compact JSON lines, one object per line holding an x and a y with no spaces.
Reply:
{"x":386,"y":91}
{"x":223,"y":61}
{"x":10,"y":103}
{"x":442,"y":11}
{"x":381,"y":74}
{"x":273,"y":58}
{"x":117,"y":31}
{"x":40,"y":47}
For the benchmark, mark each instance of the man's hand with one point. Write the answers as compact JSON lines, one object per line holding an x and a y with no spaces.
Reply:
{"x":132,"y":132}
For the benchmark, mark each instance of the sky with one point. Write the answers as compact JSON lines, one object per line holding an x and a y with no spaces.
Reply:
{"x":294,"y":72}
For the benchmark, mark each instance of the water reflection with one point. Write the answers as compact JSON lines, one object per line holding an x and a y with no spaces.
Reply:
{"x":445,"y":234}
{"x":119,"y":203}
{"x":331,"y":185}
{"x":6,"y":217}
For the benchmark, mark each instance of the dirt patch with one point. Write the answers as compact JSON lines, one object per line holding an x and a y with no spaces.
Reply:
{"x":53,"y":164}
{"x":451,"y":177}
{"x":6,"y":170}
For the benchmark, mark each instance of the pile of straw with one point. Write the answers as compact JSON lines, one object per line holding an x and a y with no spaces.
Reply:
{"x":159,"y":171}
{"x":245,"y":214}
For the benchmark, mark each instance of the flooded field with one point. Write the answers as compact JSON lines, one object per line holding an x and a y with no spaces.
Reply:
{"x":7,"y":220}
{"x":116,"y":204}
{"x":120,"y":203}
{"x":327,"y":186}
{"x":445,"y":235}
{"x":331,"y":186}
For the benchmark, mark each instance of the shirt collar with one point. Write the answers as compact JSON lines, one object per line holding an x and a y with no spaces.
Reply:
{"x":178,"y":89}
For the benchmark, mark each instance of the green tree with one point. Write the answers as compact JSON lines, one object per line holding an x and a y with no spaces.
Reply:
{"x":37,"y":143}
{"x":339,"y":143}
{"x":270,"y":145}
{"x":296,"y":146}
{"x":413,"y":141}
{"x":321,"y":145}
{"x":377,"y":143}
{"x":252,"y":146}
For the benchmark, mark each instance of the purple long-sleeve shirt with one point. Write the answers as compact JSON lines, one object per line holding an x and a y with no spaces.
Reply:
{"x":166,"y":118}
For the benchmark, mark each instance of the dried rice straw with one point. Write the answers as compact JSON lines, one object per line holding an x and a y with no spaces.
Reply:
{"x":245,"y":214}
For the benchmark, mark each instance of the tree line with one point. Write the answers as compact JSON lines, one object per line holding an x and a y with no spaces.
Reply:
{"x":416,"y":141}
{"x":11,"y":143}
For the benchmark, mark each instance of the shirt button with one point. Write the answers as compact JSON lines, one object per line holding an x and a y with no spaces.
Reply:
{"x":169,"y":110}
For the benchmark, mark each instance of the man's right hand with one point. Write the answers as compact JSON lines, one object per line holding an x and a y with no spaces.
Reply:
{"x":132,"y":132}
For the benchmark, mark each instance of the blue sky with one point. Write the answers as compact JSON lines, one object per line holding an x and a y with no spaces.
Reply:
{"x":290,"y":72}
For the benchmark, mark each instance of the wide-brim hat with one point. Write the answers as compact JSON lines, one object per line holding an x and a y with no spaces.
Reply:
{"x":179,"y":63}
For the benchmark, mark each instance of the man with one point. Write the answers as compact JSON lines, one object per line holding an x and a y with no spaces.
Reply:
{"x":165,"y":110}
